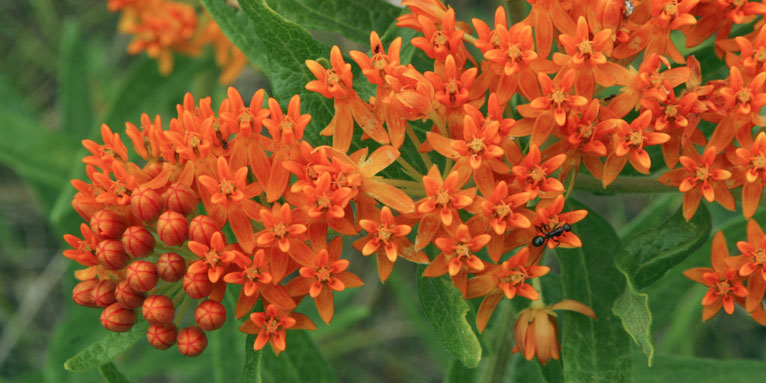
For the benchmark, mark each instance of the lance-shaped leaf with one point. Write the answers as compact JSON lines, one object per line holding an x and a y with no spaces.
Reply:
{"x":106,"y":349}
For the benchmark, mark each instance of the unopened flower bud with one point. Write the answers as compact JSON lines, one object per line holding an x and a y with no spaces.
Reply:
{"x":171,"y":267}
{"x":145,"y":204}
{"x":162,"y":336}
{"x":111,"y":254}
{"x":127,"y":296}
{"x":102,"y":294}
{"x":84,"y":206}
{"x":210,"y":315}
{"x":180,"y":198}
{"x":172,"y":228}
{"x":137,"y":241}
{"x":118,"y":318}
{"x":191,"y":341}
{"x":158,"y":309}
{"x":141,"y":276}
{"x":82,"y":293}
{"x":108,"y":224}
{"x":201,"y":228}
{"x":197,"y":285}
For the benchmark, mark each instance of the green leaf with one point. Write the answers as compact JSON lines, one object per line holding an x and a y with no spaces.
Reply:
{"x":446,"y":311}
{"x":300,"y":362}
{"x":699,"y":370}
{"x":74,"y":95}
{"x":287,"y":46}
{"x":457,"y":372}
{"x":238,"y":27}
{"x":111,"y":374}
{"x":353,"y":19}
{"x":649,"y":255}
{"x":593,"y":350}
{"x":106,"y":349}
{"x":632,"y":307}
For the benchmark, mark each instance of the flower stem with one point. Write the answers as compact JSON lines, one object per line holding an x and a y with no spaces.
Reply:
{"x":415,"y":140}
{"x":622,"y":185}
{"x":538,"y":304}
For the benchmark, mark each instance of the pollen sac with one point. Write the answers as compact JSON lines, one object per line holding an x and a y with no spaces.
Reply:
{"x":180,"y":198}
{"x":201,"y":228}
{"x":111,"y":254}
{"x":172,"y":228}
{"x":191,"y":341}
{"x":210,"y":315}
{"x":118,"y":318}
{"x":145,"y":204}
{"x":137,"y":241}
{"x":82,"y":293}
{"x":102,"y":294}
{"x":141,"y":276}
{"x":158,"y":309}
{"x":127,"y":296}
{"x":197,"y":285}
{"x":171,"y":267}
{"x":108,"y":224}
{"x":162,"y":336}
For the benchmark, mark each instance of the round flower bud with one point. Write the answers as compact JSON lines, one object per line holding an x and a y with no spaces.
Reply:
{"x":137,"y":241}
{"x":127,"y":296}
{"x":141,"y":276}
{"x":162,"y":336}
{"x":172,"y":228}
{"x":117,"y":318}
{"x":201,"y":228}
{"x":102,"y":294}
{"x":171,"y":267}
{"x":191,"y":341}
{"x":158,"y":309}
{"x":145,"y":204}
{"x":210,"y":315}
{"x":108,"y":224}
{"x":111,"y":254}
{"x":82,"y":293}
{"x":180,"y":198}
{"x":197,"y":285}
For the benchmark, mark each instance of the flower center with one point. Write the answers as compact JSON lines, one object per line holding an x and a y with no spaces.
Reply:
{"x":502,"y":210}
{"x":462,"y":250}
{"x":759,"y":162}
{"x":476,"y":145}
{"x":537,"y":174}
{"x":384,"y":233}
{"x":213,"y":258}
{"x":513,"y":52}
{"x":636,"y":139}
{"x":442,"y":198}
{"x":702,"y":174}
{"x":279,"y":230}
{"x":585,"y":47}
{"x":227,"y":187}
{"x":273,"y":325}
{"x":323,"y":274}
{"x":253,"y":273}
{"x":558,"y":96}
{"x":743,"y":96}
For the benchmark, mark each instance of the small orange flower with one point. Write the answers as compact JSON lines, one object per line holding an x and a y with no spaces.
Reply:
{"x":754,"y":265}
{"x":629,"y":142}
{"x":215,"y":258}
{"x":554,"y":107}
{"x":754,"y":161}
{"x":536,"y":331}
{"x":458,"y":257}
{"x":723,"y":281}
{"x":743,"y":104}
{"x":550,"y":217}
{"x":544,"y":16}
{"x":279,"y":227}
{"x":271,"y":325}
{"x":534,"y":175}
{"x":441,"y":204}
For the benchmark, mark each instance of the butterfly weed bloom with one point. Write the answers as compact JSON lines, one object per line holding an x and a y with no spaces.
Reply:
{"x":464,"y":162}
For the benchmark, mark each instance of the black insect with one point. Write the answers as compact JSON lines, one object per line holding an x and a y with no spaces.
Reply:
{"x":225,"y":144}
{"x":552,"y":234}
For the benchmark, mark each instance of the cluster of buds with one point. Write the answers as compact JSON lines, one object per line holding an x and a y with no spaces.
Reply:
{"x":162,"y":28}
{"x":486,"y":214}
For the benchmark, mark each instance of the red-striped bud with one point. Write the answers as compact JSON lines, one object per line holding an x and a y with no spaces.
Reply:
{"x":138,"y":241}
{"x":162,"y":336}
{"x":180,"y":198}
{"x":197,"y":285}
{"x":82,"y":293}
{"x":158,"y":309}
{"x":102,"y":294}
{"x":111,"y":254}
{"x":141,"y":276}
{"x":118,"y":318}
{"x":210,"y":315}
{"x":191,"y":341}
{"x":171,"y":267}
{"x":127,"y":296}
{"x":172,"y":228}
{"x":145,"y":204}
{"x":108,"y":224}
{"x":201,"y":228}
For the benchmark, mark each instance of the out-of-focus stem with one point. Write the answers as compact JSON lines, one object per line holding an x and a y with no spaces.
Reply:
{"x":515,"y":10}
{"x":414,"y":138}
{"x":538,"y":304}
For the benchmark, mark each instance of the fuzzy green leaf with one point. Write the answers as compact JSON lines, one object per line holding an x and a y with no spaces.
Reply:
{"x":679,"y":369}
{"x":300,"y":362}
{"x":446,"y":311}
{"x":111,"y":374}
{"x":252,"y":370}
{"x":632,"y":307}
{"x":238,"y":28}
{"x":106,"y":349}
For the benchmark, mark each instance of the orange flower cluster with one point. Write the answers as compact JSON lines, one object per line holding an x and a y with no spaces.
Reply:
{"x":493,"y":194}
{"x":161,"y":27}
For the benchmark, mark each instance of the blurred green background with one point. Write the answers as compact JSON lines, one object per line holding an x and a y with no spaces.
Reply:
{"x":64,"y":71}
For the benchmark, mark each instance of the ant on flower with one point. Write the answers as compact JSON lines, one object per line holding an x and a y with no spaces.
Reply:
{"x":549,"y":233}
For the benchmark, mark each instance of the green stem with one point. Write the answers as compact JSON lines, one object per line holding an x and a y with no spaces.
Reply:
{"x":501,"y":359}
{"x":515,"y":10}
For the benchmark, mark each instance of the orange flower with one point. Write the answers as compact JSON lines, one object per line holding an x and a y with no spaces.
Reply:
{"x":584,"y":140}
{"x":544,"y":16}
{"x":648,"y":81}
{"x":754,"y":265}
{"x":533,"y":176}
{"x":536,"y":331}
{"x":256,"y":280}
{"x":279,"y":228}
{"x":550,"y":217}
{"x":553,"y":108}
{"x":215,"y":258}
{"x":246,"y":122}
{"x":82,"y":250}
{"x":440,"y":43}
{"x":700,"y":176}
{"x":654,"y":36}
{"x":271,"y":325}
{"x":458,"y":257}
{"x":679,"y":118}
{"x":754,"y":161}
{"x":743,"y":104}
{"x":752,"y":54}
{"x":629,"y":141}
{"x":502,"y":211}
{"x":441,"y":204}
{"x":723,"y":282}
